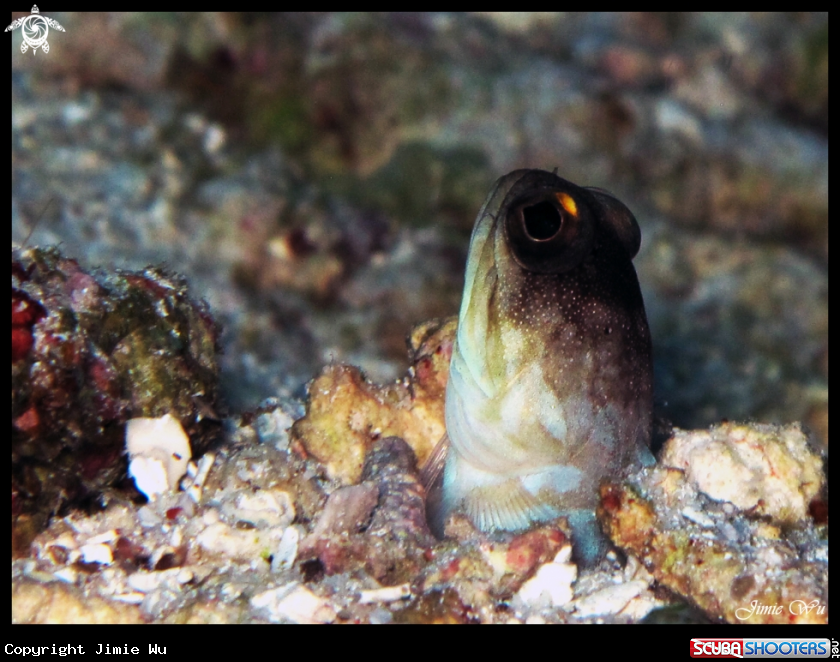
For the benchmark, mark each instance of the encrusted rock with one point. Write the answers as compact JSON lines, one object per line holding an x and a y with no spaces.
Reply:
{"x":482,"y":568}
{"x":767,"y":468}
{"x":347,"y":510}
{"x":89,"y":352}
{"x":380,"y":524}
{"x":398,"y":527}
{"x":729,"y":561}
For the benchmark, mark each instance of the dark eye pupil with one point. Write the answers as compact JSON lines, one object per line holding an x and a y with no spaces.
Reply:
{"x":542,"y":221}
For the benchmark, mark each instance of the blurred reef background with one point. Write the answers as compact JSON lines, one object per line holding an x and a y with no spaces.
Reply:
{"x":315,"y":178}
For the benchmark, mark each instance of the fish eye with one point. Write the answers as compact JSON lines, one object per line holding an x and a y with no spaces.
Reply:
{"x":548,"y":232}
{"x":542,"y":221}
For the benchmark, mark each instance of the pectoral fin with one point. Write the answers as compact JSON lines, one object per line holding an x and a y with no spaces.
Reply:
{"x":506,"y":505}
{"x":432,"y":471}
{"x":431,"y":476}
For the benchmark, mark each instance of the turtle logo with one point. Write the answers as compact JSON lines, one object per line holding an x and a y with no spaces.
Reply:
{"x":35,"y":30}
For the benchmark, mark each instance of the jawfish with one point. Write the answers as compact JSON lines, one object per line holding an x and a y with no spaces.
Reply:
{"x":550,"y":384}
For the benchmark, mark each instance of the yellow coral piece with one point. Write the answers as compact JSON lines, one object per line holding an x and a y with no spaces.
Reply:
{"x":345,"y":412}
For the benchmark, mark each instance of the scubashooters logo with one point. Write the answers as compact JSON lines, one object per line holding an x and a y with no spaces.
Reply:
{"x":35,"y":29}
{"x":752,"y":648}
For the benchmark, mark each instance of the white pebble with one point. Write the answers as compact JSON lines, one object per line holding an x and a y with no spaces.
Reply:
{"x":222,"y":539}
{"x":133,"y":598}
{"x":609,"y":600}
{"x":108,"y":536}
{"x":273,"y":428}
{"x":149,"y":517}
{"x":266,"y":508}
{"x":66,"y":575}
{"x":697,"y":517}
{"x":97,"y":553}
{"x":385,"y":594}
{"x":211,"y":516}
{"x":287,"y":550}
{"x":146,"y":582}
{"x":550,"y":587}
{"x":295,"y":603}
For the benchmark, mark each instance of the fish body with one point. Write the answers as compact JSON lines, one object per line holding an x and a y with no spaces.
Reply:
{"x":550,"y":385}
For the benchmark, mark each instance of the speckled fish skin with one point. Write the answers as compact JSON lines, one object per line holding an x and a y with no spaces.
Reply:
{"x":550,"y":386}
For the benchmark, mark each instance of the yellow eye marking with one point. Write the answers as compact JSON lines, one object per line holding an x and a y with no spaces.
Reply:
{"x":568,"y":203}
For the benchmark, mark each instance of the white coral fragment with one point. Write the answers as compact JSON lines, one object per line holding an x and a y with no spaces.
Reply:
{"x":159,"y":451}
{"x":551,"y":586}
